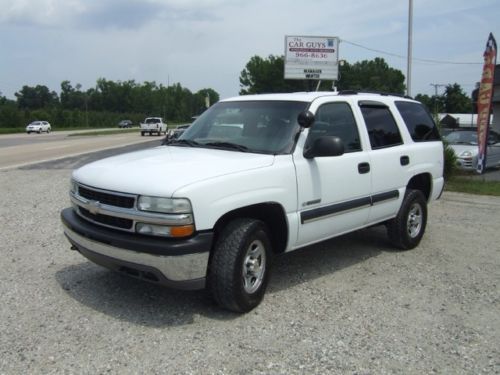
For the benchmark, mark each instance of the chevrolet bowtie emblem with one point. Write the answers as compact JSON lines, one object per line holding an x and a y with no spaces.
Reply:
{"x":94,"y":207}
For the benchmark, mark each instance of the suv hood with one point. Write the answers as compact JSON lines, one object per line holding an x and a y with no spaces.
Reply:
{"x":163,"y":170}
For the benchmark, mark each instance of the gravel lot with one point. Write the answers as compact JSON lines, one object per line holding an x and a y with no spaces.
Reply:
{"x":350,"y":305}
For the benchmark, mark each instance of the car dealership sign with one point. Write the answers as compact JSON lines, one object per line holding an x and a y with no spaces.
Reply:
{"x":311,"y":57}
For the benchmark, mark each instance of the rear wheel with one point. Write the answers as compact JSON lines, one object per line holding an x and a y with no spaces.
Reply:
{"x":48,"y":130}
{"x":240,"y":265}
{"x":142,"y":134}
{"x":407,"y":229}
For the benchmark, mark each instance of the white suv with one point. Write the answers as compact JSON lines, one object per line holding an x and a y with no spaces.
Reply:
{"x":253,"y":177}
{"x":38,"y":127}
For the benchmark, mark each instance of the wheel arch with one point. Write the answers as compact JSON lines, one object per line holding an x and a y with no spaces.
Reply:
{"x":271,"y":213}
{"x":422,"y":182}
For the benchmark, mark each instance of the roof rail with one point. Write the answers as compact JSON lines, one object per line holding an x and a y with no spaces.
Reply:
{"x":383,"y":93}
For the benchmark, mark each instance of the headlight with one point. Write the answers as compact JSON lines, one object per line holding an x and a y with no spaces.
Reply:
{"x":164,"y":205}
{"x":466,"y":154}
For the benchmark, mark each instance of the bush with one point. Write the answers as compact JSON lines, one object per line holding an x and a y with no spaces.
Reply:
{"x":450,"y":161}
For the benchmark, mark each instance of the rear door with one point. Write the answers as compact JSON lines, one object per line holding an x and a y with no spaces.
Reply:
{"x":390,"y":161}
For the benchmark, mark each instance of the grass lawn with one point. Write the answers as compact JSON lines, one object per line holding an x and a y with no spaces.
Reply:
{"x":473,"y":185}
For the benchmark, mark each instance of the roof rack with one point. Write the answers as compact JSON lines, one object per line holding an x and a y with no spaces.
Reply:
{"x":356,"y":92}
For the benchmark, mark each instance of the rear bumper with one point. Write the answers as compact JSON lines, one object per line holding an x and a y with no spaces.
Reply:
{"x":176,"y":264}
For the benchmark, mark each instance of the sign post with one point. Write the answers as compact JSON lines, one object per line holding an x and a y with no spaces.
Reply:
{"x":311,"y":57}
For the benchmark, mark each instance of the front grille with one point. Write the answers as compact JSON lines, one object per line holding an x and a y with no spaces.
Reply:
{"x":106,"y":198}
{"x":112,"y":221}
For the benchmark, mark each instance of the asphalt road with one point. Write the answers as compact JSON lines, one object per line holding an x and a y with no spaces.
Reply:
{"x":25,"y":149}
{"x":350,"y":305}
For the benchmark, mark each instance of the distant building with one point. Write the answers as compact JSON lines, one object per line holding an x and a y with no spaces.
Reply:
{"x":461,"y":120}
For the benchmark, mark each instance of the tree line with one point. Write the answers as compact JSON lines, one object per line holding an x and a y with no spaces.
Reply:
{"x":103,"y":105}
{"x":109,"y":101}
{"x":265,"y":75}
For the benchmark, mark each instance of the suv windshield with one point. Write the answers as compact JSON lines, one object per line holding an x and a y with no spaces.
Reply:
{"x":251,"y":126}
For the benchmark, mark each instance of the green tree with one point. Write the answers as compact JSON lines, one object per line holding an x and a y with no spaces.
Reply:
{"x":36,"y":97}
{"x":455,"y":100}
{"x":267,"y":76}
{"x":371,"y":75}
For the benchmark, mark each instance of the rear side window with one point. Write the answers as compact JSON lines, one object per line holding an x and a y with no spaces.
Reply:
{"x":418,"y":121}
{"x":382,"y":128}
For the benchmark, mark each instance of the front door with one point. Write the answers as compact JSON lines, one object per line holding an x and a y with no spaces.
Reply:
{"x":333,"y":192}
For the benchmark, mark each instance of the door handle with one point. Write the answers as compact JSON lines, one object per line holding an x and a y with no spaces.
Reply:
{"x":404,"y":160}
{"x":363,"y":168}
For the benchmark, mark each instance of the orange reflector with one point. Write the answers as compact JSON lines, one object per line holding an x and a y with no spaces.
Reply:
{"x":182,"y":231}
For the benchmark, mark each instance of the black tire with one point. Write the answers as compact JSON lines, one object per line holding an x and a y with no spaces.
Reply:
{"x":28,"y":132}
{"x":40,"y":131}
{"x":142,"y":134}
{"x":48,"y":130}
{"x":240,"y":265}
{"x":407,"y":229}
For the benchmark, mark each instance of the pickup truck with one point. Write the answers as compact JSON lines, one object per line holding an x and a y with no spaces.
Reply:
{"x":153,"y":125}
{"x":254,"y":177}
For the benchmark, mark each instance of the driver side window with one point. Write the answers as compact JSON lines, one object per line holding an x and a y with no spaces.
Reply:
{"x":337,"y":120}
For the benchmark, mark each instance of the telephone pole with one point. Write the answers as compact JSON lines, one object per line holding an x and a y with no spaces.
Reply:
{"x":410,"y":49}
{"x":436,"y":86}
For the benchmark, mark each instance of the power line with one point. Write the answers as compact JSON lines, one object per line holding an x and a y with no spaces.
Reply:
{"x":414,"y":58}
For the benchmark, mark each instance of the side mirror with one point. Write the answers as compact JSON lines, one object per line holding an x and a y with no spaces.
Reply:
{"x":305,"y":119}
{"x":324,"y":146}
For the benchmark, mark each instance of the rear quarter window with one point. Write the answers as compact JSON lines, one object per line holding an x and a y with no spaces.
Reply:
{"x":418,"y":121}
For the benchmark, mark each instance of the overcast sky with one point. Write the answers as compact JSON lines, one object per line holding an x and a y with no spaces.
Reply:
{"x":206,"y":43}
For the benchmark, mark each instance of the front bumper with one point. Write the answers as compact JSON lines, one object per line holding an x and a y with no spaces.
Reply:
{"x":180,"y":264}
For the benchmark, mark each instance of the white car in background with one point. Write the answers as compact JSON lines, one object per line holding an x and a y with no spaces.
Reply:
{"x":464,"y":144}
{"x":38,"y":127}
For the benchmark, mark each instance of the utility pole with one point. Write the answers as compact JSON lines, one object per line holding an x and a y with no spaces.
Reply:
{"x":410,"y":49}
{"x":436,"y":86}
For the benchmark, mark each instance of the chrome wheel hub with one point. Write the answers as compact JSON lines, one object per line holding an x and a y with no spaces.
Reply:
{"x":254,"y":267}
{"x":415,"y":219}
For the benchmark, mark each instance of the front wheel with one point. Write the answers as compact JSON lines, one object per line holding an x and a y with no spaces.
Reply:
{"x":407,"y":229}
{"x":240,"y":266}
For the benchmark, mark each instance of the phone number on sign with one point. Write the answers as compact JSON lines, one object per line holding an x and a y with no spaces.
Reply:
{"x":311,"y":55}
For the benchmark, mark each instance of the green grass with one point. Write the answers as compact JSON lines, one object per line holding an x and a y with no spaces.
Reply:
{"x":473,"y":185}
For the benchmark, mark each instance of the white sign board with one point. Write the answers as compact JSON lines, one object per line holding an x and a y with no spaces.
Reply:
{"x":311,"y":57}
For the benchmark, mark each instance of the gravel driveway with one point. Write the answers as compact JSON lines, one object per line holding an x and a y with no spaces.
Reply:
{"x":350,"y":305}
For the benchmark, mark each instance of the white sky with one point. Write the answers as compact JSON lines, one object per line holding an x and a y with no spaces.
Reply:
{"x":207,"y":43}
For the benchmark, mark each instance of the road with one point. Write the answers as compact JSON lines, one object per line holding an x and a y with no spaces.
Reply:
{"x":18,"y":150}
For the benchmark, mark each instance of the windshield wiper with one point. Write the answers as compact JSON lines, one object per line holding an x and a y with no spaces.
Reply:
{"x":227,"y":145}
{"x":182,"y":142}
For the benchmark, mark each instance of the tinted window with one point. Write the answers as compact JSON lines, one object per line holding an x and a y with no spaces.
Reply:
{"x":382,"y":127}
{"x":418,"y":121}
{"x":336,"y":119}
{"x":258,"y":126}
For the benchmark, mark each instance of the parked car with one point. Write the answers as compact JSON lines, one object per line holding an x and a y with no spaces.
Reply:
{"x":464,"y":144}
{"x":125,"y":124}
{"x":38,"y":127}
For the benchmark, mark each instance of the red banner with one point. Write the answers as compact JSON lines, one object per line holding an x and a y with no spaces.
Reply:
{"x":484,"y":101}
